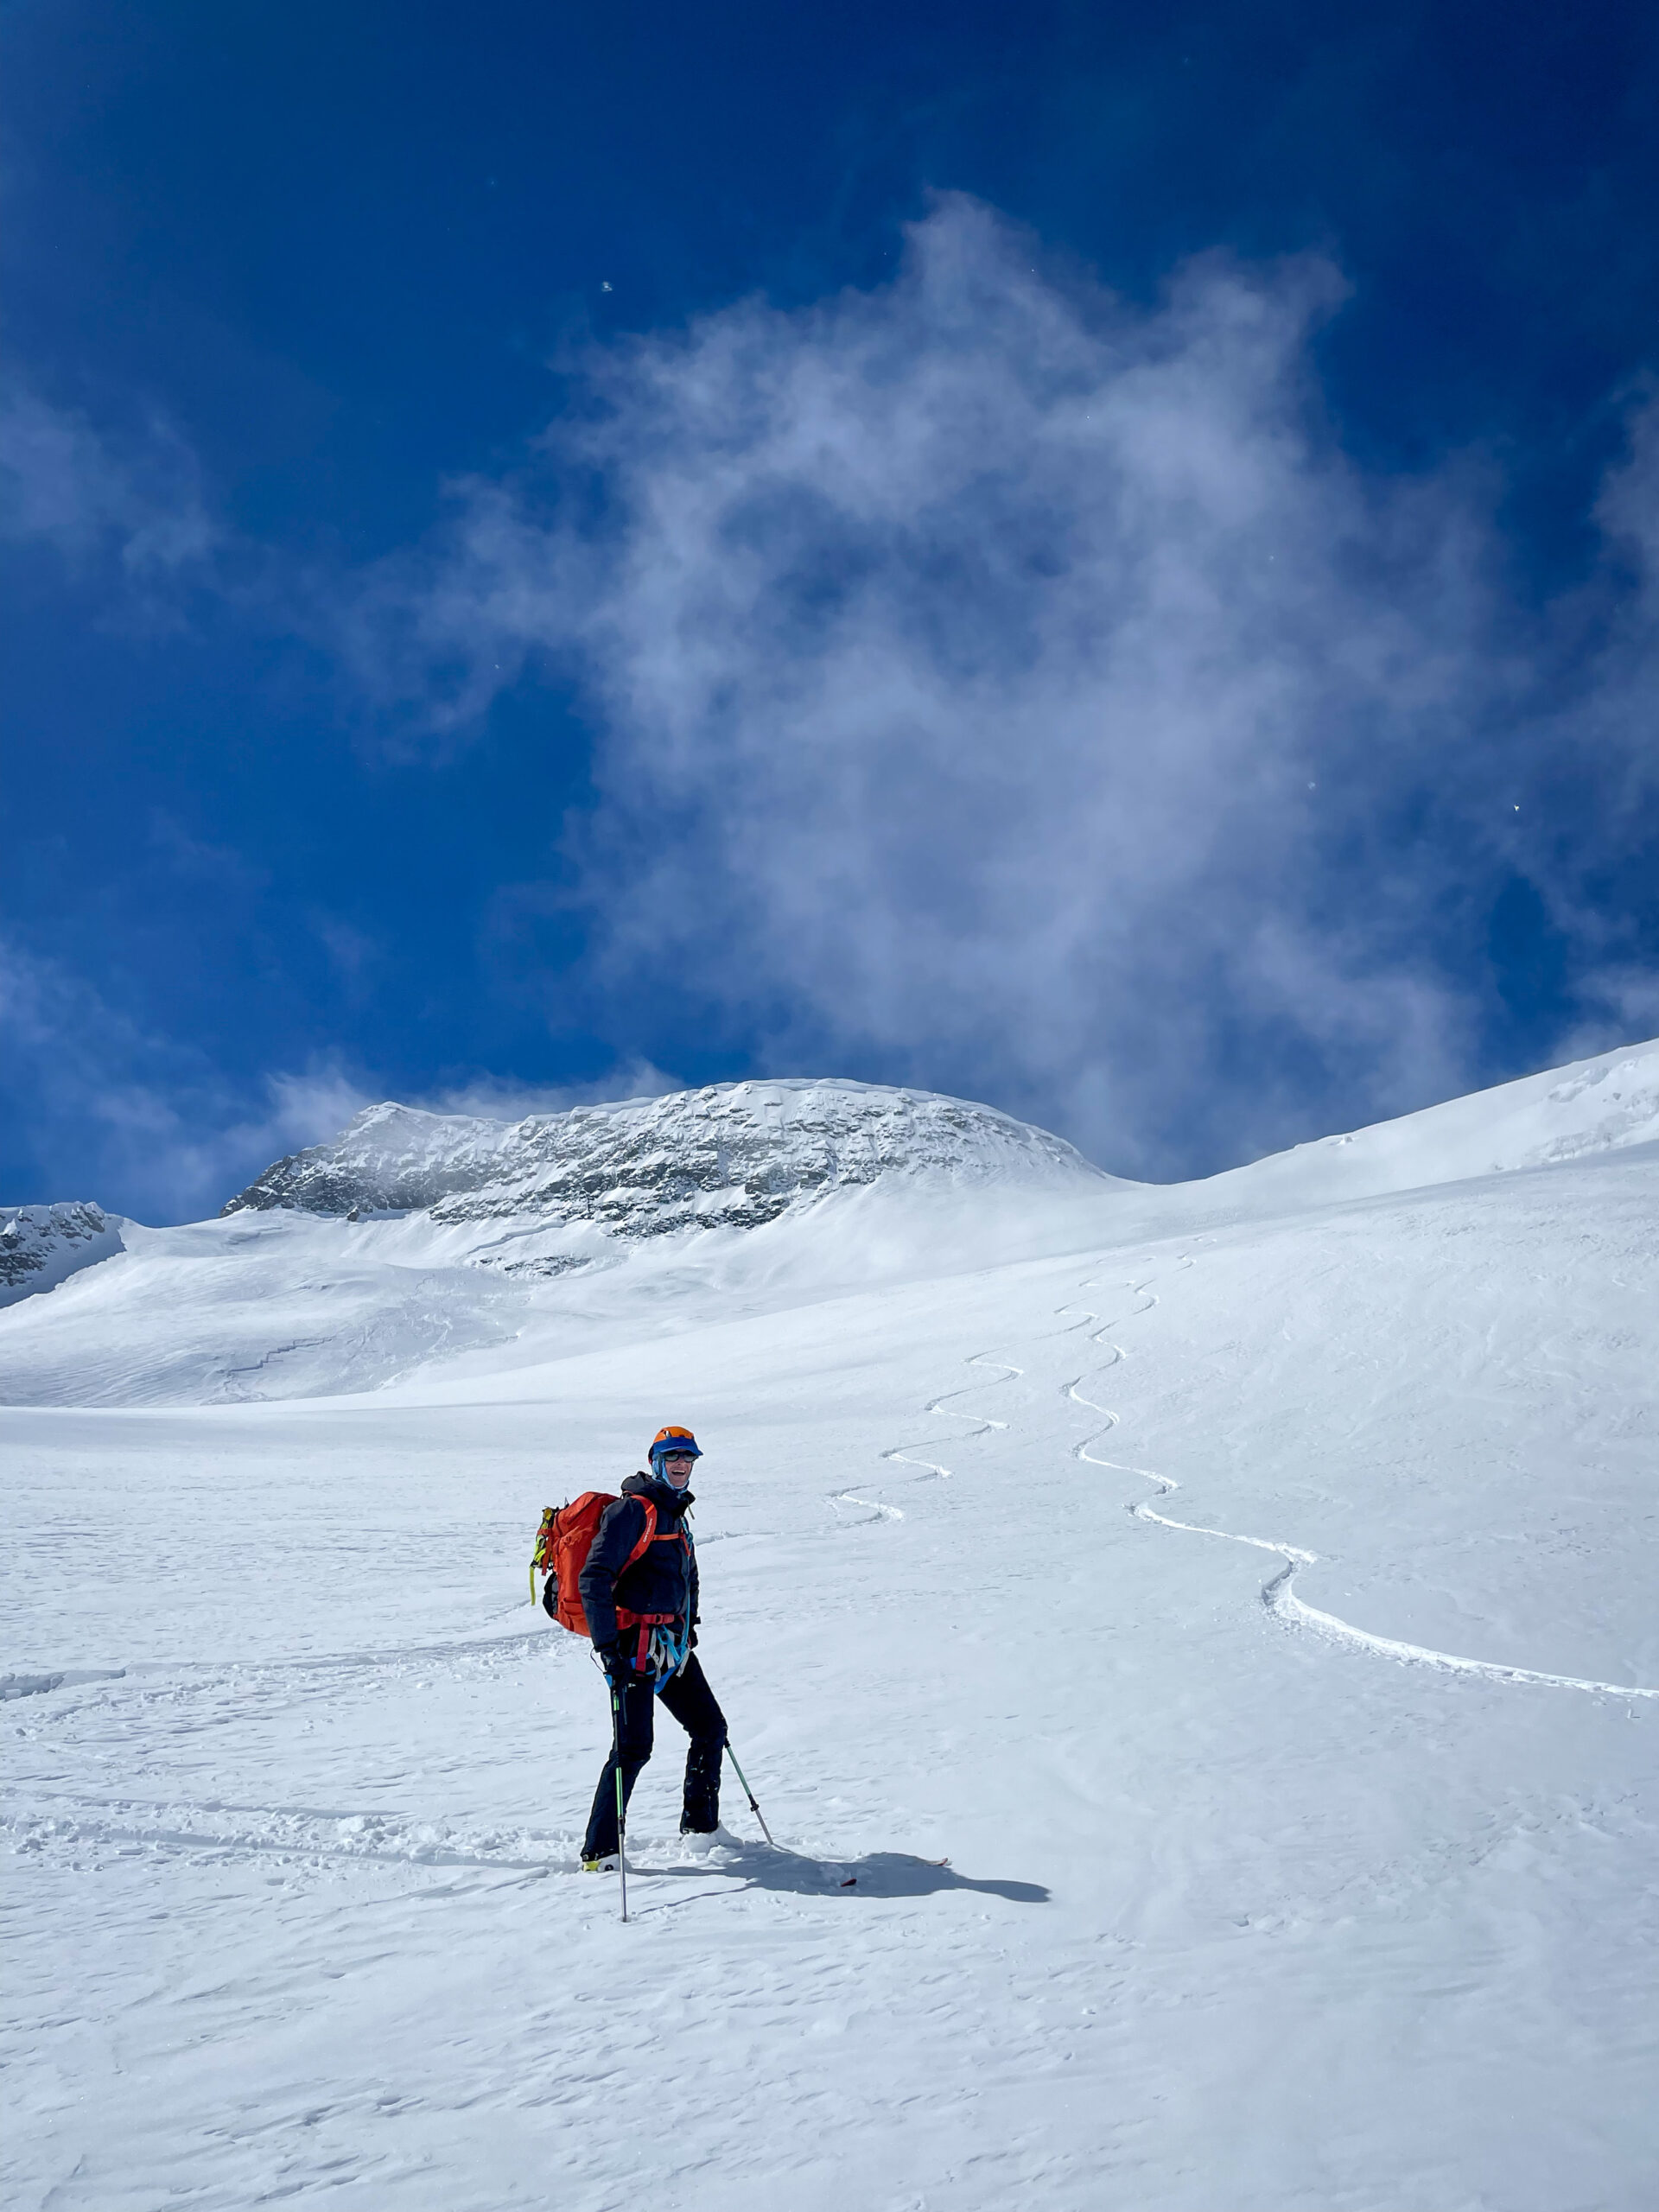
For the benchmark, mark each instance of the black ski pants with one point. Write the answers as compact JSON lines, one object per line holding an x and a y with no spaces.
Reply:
{"x":691,"y":1702}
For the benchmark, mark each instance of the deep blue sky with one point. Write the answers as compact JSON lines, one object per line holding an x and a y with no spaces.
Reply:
{"x":274,"y":274}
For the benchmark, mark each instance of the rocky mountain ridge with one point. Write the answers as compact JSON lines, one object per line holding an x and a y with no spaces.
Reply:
{"x":732,"y":1156}
{"x":39,"y":1246}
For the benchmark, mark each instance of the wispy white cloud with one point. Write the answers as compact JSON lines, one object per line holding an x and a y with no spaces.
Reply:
{"x":120,"y":1115}
{"x":137,"y":502}
{"x":137,"y":1121}
{"x":1618,"y":715}
{"x":496,"y":1100}
{"x":1009,"y":687}
{"x":1621,"y":1005}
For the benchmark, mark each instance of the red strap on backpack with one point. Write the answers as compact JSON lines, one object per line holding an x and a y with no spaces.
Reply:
{"x":646,"y":1622}
{"x":562,"y":1544}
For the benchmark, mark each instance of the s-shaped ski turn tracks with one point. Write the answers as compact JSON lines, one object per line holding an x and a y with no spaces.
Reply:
{"x":983,"y":1423}
{"x":932,"y":1470}
{"x":1279,"y":1595}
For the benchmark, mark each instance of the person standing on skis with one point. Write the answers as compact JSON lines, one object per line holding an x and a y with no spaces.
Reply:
{"x":643,"y":1618}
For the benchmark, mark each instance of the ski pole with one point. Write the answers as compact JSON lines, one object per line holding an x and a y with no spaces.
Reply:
{"x":749,"y":1794}
{"x":621,"y":1803}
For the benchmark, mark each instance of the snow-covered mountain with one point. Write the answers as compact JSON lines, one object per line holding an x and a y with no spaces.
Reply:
{"x":39,"y":1246}
{"x":419,"y":1237}
{"x":1589,"y":1107}
{"x":732,"y":1156}
{"x":1197,"y":1652}
{"x":741,"y":1155}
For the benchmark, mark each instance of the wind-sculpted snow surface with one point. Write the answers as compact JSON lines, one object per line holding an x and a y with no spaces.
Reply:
{"x":733,"y":1155}
{"x":1239,"y":1914}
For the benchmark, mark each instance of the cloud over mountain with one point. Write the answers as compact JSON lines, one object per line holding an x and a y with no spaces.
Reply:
{"x":1009,"y":687}
{"x":993,"y":685}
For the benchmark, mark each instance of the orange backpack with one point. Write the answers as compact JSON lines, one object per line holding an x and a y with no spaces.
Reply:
{"x":563,"y":1543}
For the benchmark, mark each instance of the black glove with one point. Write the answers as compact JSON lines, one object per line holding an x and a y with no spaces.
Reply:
{"x":693,"y":1645}
{"x":613,"y":1657}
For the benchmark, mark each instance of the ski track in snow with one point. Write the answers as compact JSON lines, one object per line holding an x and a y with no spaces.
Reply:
{"x":61,"y":1678}
{"x":874,"y":1510}
{"x":208,"y":1695}
{"x":932,"y":1470}
{"x":301,"y":1834}
{"x":100,"y":1830}
{"x":216,"y":1693}
{"x":322,"y":1840}
{"x":151,"y":1678}
{"x":1279,"y":1595}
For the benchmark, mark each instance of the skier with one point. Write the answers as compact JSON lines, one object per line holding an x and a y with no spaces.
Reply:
{"x":650,"y":1654}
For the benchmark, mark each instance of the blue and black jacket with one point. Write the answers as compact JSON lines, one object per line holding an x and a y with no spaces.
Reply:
{"x":663,"y":1580}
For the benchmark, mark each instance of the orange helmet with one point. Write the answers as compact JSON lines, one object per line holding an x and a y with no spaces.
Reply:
{"x":673,"y":1440}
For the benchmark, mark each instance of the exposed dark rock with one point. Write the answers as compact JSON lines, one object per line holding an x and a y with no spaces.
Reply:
{"x":735,"y":1155}
{"x":41,"y":1245}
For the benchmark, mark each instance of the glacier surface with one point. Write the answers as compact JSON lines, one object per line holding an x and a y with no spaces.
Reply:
{"x":1197,"y":1651}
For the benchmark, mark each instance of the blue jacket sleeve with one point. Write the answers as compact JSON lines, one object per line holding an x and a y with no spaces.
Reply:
{"x":618,"y":1532}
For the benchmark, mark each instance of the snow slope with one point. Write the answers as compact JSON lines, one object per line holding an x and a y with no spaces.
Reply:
{"x":486,"y":1246}
{"x":416,"y":1237}
{"x":1328,"y":1889}
{"x":1568,"y":1113}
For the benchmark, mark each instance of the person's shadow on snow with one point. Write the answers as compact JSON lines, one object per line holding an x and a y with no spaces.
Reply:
{"x":878,"y":1874}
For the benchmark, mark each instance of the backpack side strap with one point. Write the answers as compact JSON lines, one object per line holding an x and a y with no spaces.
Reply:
{"x":644,"y":1622}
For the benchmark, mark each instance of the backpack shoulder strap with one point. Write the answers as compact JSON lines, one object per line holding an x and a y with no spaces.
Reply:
{"x":640,"y":1548}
